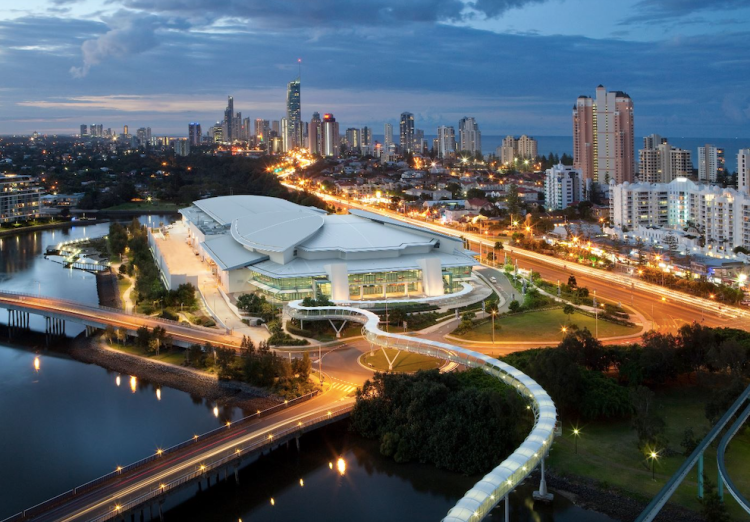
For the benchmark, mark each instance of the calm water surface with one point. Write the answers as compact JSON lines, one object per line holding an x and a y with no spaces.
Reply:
{"x":66,"y":423}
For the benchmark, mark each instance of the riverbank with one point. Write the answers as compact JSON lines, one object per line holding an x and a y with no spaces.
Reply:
{"x":49,"y":226}
{"x":199,"y":384}
{"x":587,"y":494}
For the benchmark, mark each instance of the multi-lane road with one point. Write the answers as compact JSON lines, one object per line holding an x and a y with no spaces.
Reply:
{"x":663,"y":309}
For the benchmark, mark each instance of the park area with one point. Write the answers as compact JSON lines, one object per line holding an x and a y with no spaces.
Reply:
{"x":607,"y":452}
{"x":405,"y":362}
{"x":543,"y":326}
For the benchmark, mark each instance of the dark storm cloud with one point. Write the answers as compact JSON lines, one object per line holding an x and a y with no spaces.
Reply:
{"x":306,"y":13}
{"x":162,"y":69}
{"x":658,"y":11}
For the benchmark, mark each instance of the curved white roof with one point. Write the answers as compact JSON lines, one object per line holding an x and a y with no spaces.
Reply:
{"x":276,"y":231}
{"x":225,"y":209}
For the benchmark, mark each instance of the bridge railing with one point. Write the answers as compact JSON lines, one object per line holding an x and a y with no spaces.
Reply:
{"x":94,"y":308}
{"x":120,"y":470}
{"x":269,"y":439}
{"x":720,"y":460}
{"x":487,"y":493}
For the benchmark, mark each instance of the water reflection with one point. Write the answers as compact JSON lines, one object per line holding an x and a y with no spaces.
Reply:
{"x":36,"y":363}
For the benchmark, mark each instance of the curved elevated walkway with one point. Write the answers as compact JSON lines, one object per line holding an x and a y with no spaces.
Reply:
{"x":488,"y":492}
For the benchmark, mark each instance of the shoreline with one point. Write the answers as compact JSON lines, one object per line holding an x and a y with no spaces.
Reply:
{"x":601,"y":498}
{"x":50,"y":226}
{"x":208,"y":387}
{"x":197,"y":384}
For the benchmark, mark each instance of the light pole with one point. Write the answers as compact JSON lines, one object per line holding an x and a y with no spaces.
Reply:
{"x":654,"y":455}
{"x":493,"y":326}
{"x":576,"y":434}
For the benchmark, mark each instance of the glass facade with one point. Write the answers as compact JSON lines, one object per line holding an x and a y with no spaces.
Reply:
{"x":366,"y":285}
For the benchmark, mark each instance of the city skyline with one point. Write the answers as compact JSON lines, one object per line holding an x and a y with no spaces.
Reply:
{"x":142,"y":62}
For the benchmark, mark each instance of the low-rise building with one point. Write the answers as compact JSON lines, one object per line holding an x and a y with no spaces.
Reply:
{"x":286,"y":251}
{"x":563,"y":186}
{"x":20,"y":198}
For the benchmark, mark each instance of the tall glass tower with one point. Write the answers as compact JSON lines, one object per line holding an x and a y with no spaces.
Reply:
{"x":293,"y":115}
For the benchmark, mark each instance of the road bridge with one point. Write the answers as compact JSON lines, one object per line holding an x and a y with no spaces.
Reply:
{"x":57,"y":312}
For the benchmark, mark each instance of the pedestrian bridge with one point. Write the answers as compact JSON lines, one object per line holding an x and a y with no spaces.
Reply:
{"x":59,"y":311}
{"x":479,"y":501}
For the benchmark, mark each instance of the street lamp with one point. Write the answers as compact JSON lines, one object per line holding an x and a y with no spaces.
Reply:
{"x":576,"y":434}
{"x":654,"y":456}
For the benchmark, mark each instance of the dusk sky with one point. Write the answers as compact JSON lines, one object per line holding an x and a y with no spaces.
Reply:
{"x":515,"y":65}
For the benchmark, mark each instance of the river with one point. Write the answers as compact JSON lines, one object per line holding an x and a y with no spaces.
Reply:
{"x":65,"y":423}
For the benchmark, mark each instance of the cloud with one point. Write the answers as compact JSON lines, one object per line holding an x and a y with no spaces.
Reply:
{"x":659,"y":11}
{"x":307,"y":14}
{"x":129,"y":33}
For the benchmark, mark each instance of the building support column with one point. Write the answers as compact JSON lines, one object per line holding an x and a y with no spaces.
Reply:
{"x":700,"y":476}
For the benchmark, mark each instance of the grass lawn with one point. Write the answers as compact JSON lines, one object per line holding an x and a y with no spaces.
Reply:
{"x":177,"y":356}
{"x":154,"y":206}
{"x":405,"y":361}
{"x":543,"y":326}
{"x":351,"y":330}
{"x":607,"y":452}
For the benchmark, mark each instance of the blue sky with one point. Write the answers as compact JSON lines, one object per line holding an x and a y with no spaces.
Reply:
{"x":515,"y":65}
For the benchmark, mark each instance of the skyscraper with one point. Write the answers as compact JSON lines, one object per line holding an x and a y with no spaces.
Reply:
{"x":262,"y":130}
{"x":84,"y":130}
{"x":194,"y":134}
{"x":285,"y":137}
{"x":710,"y":163}
{"x":329,"y":136}
{"x":407,"y":132}
{"x":446,"y":141}
{"x":125,"y":130}
{"x":388,"y":136}
{"x":603,"y":146}
{"x":469,"y":136}
{"x":743,"y":171}
{"x":659,"y":162}
{"x":314,"y":135}
{"x":353,"y":139}
{"x":584,"y":138}
{"x":228,"y":125}
{"x":293,"y":115}
{"x":366,"y":136}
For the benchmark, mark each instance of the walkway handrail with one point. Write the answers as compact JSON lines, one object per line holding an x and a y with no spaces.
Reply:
{"x":466,"y":288}
{"x":488,"y":492}
{"x":723,"y":475}
{"x":670,"y":487}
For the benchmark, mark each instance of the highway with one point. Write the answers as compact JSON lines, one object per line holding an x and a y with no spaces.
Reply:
{"x":666,"y":309}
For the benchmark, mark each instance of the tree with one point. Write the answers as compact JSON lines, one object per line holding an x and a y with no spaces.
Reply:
{"x":109,"y":333}
{"x":475,"y":193}
{"x":153,"y":345}
{"x":396,"y":316}
{"x":302,"y":367}
{"x":648,"y":424}
{"x":569,"y":310}
{"x":572,"y":283}
{"x":122,"y":334}
{"x":714,"y":509}
{"x":224,"y":359}
{"x":498,"y":245}
{"x":514,"y":306}
{"x":142,"y":337}
{"x":513,"y":201}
